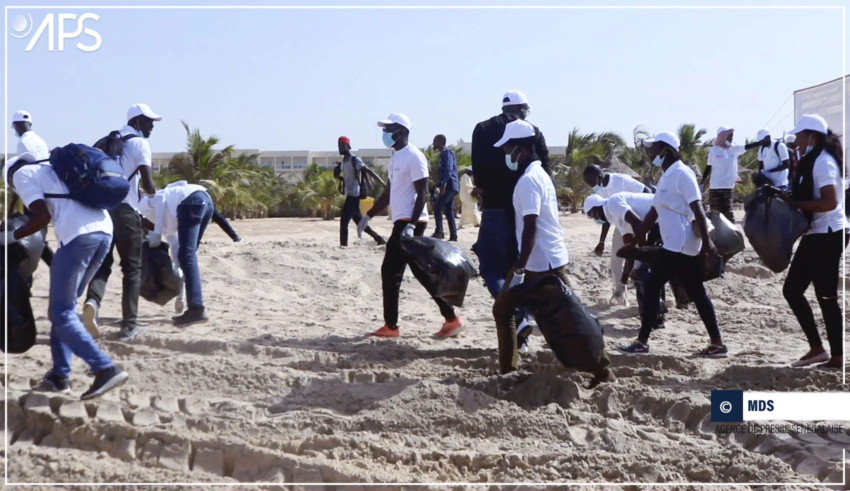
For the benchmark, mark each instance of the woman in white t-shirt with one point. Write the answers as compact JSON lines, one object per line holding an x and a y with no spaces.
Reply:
{"x":817,"y":190}
{"x":84,"y":236}
{"x":676,"y":207}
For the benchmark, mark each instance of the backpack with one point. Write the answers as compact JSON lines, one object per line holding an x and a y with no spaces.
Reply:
{"x":365,"y":184}
{"x":113,"y":146}
{"x":92,"y":177}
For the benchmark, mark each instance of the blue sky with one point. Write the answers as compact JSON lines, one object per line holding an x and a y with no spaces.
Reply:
{"x":298,"y":79}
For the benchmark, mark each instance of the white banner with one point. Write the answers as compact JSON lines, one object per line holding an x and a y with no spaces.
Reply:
{"x":826,"y":100}
{"x":796,"y":406}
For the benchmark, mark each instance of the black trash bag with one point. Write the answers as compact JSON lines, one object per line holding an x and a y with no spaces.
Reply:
{"x":160,"y":281}
{"x":24,"y":257}
{"x":772,"y":227}
{"x":443,"y":269}
{"x":712,"y":269}
{"x":570,"y":330}
{"x":726,"y":236}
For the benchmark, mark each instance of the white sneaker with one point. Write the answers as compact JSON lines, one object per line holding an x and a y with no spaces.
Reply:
{"x":821,"y":358}
{"x":619,"y":299}
{"x":90,"y":318}
{"x":179,"y":305}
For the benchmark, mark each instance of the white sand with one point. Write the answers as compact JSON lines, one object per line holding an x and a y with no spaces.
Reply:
{"x":282,"y":386}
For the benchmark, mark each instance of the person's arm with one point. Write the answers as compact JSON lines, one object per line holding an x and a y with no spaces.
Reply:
{"x":752,"y":145}
{"x":702,"y":225}
{"x":222,"y":222}
{"x":600,"y":247}
{"x":145,"y":161}
{"x":146,"y":177}
{"x":542,"y":151}
{"x":827,"y":202}
{"x":373,"y":174}
{"x":706,"y":176}
{"x":421,"y":187}
{"x":26,"y":186}
{"x":529,"y":234}
{"x":443,"y":171}
{"x":785,"y":165}
{"x":381,"y":203}
{"x":645,"y":226}
{"x":160,"y":209}
{"x":782,"y":152}
{"x":39,"y":218}
{"x":479,"y":165}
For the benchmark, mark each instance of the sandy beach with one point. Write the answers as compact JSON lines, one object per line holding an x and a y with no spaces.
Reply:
{"x":282,"y":386}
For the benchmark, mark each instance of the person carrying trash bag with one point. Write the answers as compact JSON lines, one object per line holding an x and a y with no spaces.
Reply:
{"x":406,"y":193}
{"x":677,"y":207}
{"x":65,"y":192}
{"x":183,"y":210}
{"x":538,"y":232}
{"x":817,"y":190}
{"x":625,"y":211}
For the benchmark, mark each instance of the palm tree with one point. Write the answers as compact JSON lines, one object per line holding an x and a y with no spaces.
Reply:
{"x":582,"y":150}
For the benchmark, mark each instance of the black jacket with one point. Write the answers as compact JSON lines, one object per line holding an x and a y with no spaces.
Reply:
{"x":488,"y":162}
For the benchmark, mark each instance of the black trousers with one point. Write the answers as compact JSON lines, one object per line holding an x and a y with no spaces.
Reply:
{"x":689,"y":273}
{"x":816,"y":261}
{"x":351,"y":211}
{"x":392,"y":272}
{"x":127,"y":237}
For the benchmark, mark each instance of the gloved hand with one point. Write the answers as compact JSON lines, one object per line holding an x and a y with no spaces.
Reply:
{"x":518,"y":278}
{"x":364,"y":222}
{"x":154,"y":239}
{"x":408,"y":230}
{"x":8,"y":237}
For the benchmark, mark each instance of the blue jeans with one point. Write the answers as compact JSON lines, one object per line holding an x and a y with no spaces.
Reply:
{"x":497,"y":251}
{"x":446,"y":205}
{"x":193,"y":216}
{"x":73,"y":267}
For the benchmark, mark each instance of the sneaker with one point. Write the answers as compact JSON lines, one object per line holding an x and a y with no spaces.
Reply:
{"x":195,"y":315}
{"x":380,"y":241}
{"x":385,"y":332}
{"x":523,"y":346}
{"x":823,"y":357}
{"x":636,"y":348}
{"x":453,"y":239}
{"x":604,"y":376}
{"x":438,"y":235}
{"x":619,"y":298}
{"x":713,"y":351}
{"x":523,"y":332}
{"x":53,"y":383}
{"x":106,"y":380}
{"x":237,"y":239}
{"x":90,"y":318}
{"x":179,"y":305}
{"x":129,"y":332}
{"x":450,"y":329}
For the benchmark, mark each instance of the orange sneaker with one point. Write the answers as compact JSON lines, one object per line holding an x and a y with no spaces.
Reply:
{"x":450,"y":329}
{"x":385,"y":332}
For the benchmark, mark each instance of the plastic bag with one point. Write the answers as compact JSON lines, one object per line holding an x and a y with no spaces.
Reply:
{"x":160,"y":282}
{"x":24,"y":257}
{"x":726,"y":236}
{"x":572,"y":332}
{"x":443,"y":269}
{"x":772,"y":227}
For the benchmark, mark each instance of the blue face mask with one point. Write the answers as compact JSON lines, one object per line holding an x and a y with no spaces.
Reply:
{"x":388,"y":140}
{"x":658,"y":161}
{"x":598,"y":221}
{"x":510,"y":163}
{"x":597,"y":189}
{"x":809,"y":148}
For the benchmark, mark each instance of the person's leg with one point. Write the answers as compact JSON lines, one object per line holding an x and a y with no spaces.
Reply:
{"x":450,"y":214}
{"x":128,"y":237}
{"x":392,"y":272}
{"x":662,"y":268}
{"x":190,"y":215}
{"x":617,"y":264}
{"x":348,"y":209}
{"x":689,"y":272}
{"x":800,"y":276}
{"x":439,"y":206}
{"x":447,"y":311}
{"x":467,"y":217}
{"x":825,"y":280}
{"x":503,"y":313}
{"x":74,"y":264}
{"x":97,"y":286}
{"x":725,"y":200}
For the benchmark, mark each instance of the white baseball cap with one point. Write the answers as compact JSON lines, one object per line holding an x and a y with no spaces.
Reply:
{"x":21,"y":117}
{"x":665,"y":137}
{"x":142,"y":110}
{"x":593,"y":201}
{"x":724,"y":128}
{"x":762,"y":134}
{"x":396,"y":118}
{"x":515,"y":98}
{"x":514,"y":130}
{"x":811,"y":122}
{"x":790,"y":138}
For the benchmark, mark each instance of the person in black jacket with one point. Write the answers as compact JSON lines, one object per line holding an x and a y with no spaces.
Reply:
{"x":497,"y":248}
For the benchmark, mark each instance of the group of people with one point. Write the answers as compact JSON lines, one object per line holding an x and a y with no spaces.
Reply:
{"x":520,"y":234}
{"x":87,"y":237}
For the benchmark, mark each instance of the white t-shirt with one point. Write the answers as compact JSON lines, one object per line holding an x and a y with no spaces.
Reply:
{"x":620,"y":183}
{"x":407,"y":166}
{"x":770,"y":160}
{"x":137,"y":152}
{"x":70,"y":218}
{"x":724,"y":166}
{"x":32,"y":143}
{"x":621,"y":203}
{"x":826,"y":172}
{"x":676,"y":190}
{"x":534,"y":194}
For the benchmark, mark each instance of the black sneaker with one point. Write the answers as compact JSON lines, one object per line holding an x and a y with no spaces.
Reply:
{"x":237,"y":239}
{"x":713,"y":351}
{"x":438,"y":235}
{"x":380,"y":241}
{"x":129,"y":332}
{"x":636,"y":348}
{"x":453,"y":239}
{"x":104,"y":381}
{"x":195,"y":315}
{"x":53,"y":383}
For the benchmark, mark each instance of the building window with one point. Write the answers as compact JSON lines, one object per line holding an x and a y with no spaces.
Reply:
{"x":267,"y":163}
{"x":299,"y":163}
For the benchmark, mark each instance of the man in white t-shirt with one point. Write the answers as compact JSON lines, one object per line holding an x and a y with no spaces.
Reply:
{"x":406,"y":195}
{"x":607,"y":184}
{"x":722,"y":171}
{"x":84,"y":236}
{"x":28,"y":141}
{"x":774,"y":159}
{"x":129,"y":230}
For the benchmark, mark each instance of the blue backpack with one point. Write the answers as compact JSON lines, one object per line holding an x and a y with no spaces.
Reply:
{"x":93,"y":178}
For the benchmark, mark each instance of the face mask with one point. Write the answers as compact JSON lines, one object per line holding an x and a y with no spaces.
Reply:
{"x":597,"y":189}
{"x":809,"y":148}
{"x":388,"y":140}
{"x":523,"y":113}
{"x":598,"y":221}
{"x":510,"y":163}
{"x":658,"y":160}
